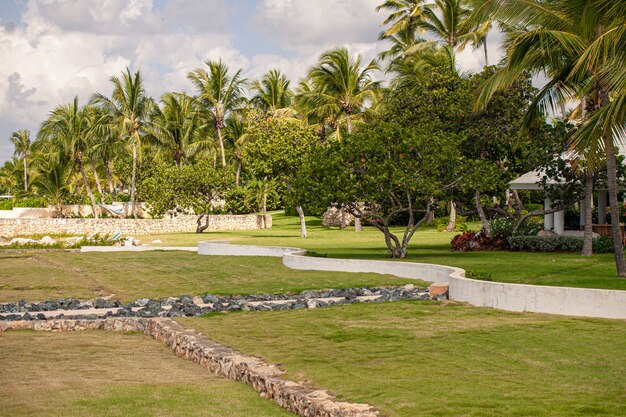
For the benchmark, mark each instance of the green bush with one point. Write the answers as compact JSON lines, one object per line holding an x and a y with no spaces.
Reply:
{"x":502,"y":228}
{"x":6,"y":204}
{"x":557,"y":244}
{"x":441,"y":223}
{"x":34,"y":202}
{"x":474,"y":274}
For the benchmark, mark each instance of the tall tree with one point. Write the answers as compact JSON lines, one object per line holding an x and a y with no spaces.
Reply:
{"x":130,"y":107}
{"x":272,"y":92}
{"x":68,"y":128}
{"x":579,"y":47}
{"x":21,"y":143}
{"x":174,"y":125}
{"x":219,"y":94}
{"x":343,"y":85}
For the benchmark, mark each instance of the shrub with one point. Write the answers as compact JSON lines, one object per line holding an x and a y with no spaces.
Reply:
{"x":603,"y":244}
{"x":470,"y":241}
{"x":502,"y":227}
{"x":6,"y":204}
{"x":558,"y":244}
{"x":34,"y":202}
{"x":441,"y":223}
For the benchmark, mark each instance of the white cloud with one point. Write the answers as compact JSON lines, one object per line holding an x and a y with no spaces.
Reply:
{"x":305,"y":27}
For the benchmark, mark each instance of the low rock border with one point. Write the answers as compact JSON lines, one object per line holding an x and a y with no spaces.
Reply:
{"x":71,"y":308}
{"x":219,"y":360}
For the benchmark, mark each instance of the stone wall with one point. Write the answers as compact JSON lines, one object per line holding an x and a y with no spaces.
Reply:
{"x":219,"y":360}
{"x":27,"y":227}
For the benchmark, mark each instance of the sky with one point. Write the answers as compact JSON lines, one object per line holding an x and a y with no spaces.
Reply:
{"x":53,"y":50}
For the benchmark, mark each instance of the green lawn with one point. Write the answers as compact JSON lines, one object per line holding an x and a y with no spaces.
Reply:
{"x":428,"y":359}
{"x":429,"y":246}
{"x":96,"y":373}
{"x":127,"y":276}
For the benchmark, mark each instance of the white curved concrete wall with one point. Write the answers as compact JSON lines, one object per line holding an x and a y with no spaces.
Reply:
{"x":511,"y":297}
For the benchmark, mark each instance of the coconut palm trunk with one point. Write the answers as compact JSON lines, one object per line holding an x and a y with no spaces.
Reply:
{"x":81,"y":167}
{"x":238,"y":173}
{"x":451,"y":227}
{"x":107,"y":169}
{"x":133,"y":185}
{"x":221,"y":142}
{"x":25,"y":174}
{"x":588,"y":230}
{"x":95,"y":177}
{"x":618,"y":242}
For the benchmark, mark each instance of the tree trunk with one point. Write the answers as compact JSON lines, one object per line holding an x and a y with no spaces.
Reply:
{"x":481,"y":214}
{"x":349,"y":123}
{"x":611,"y":169}
{"x":202,"y":227}
{"x":221,"y":141}
{"x":485,"y":51}
{"x":452,"y":221}
{"x":238,"y":173}
{"x":25,"y":175}
{"x":588,"y":236}
{"x":107,"y":169}
{"x":95,"y":176}
{"x":358,"y":226}
{"x":303,"y":232}
{"x":88,"y":188}
{"x":133,"y":185}
{"x":264,"y":205}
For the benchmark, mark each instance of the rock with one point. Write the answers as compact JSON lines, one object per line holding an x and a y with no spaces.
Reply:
{"x":47,"y":240}
{"x":312,"y":304}
{"x":74,"y":239}
{"x":209,"y":298}
{"x":21,"y":241}
{"x":99,"y":303}
{"x":437,"y":289}
{"x":545,"y":233}
{"x":156,"y":241}
{"x":142,"y":302}
{"x":40,"y":316}
{"x":197,"y":300}
{"x":409,"y":287}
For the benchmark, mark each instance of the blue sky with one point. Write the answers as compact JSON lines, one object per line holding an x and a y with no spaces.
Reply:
{"x":52,"y":50}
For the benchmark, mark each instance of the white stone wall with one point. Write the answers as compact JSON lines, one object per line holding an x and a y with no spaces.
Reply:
{"x":78,"y":226}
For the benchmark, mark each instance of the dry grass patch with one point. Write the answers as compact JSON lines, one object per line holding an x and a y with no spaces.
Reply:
{"x":96,"y":373}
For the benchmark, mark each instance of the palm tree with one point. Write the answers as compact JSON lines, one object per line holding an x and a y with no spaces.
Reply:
{"x":68,"y":128}
{"x":341,"y":85}
{"x":272,"y":93}
{"x":21,"y":142}
{"x":130,"y":108}
{"x":219,"y":94}
{"x":237,"y":135}
{"x":403,"y":16}
{"x":579,"y":47}
{"x":175,"y":125}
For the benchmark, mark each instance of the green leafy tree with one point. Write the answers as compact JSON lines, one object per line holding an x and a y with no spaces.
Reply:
{"x":272,"y":94}
{"x":383,"y":174}
{"x":21,"y":143}
{"x":341,"y":84}
{"x":130,"y":107}
{"x":278,"y":150}
{"x":175,"y":126}
{"x":579,"y":47}
{"x":219,"y":94}
{"x":197,"y":188}
{"x":68,"y":128}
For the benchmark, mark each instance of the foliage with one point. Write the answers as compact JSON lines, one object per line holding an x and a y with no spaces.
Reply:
{"x":504,"y":227}
{"x":557,"y":244}
{"x":382,"y":171}
{"x":476,"y":274}
{"x":470,"y":241}
{"x":194,"y":188}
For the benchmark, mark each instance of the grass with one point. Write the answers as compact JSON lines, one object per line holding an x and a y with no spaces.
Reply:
{"x":428,"y":359}
{"x":99,"y":373}
{"x":128,"y":276}
{"x":428,"y":245}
